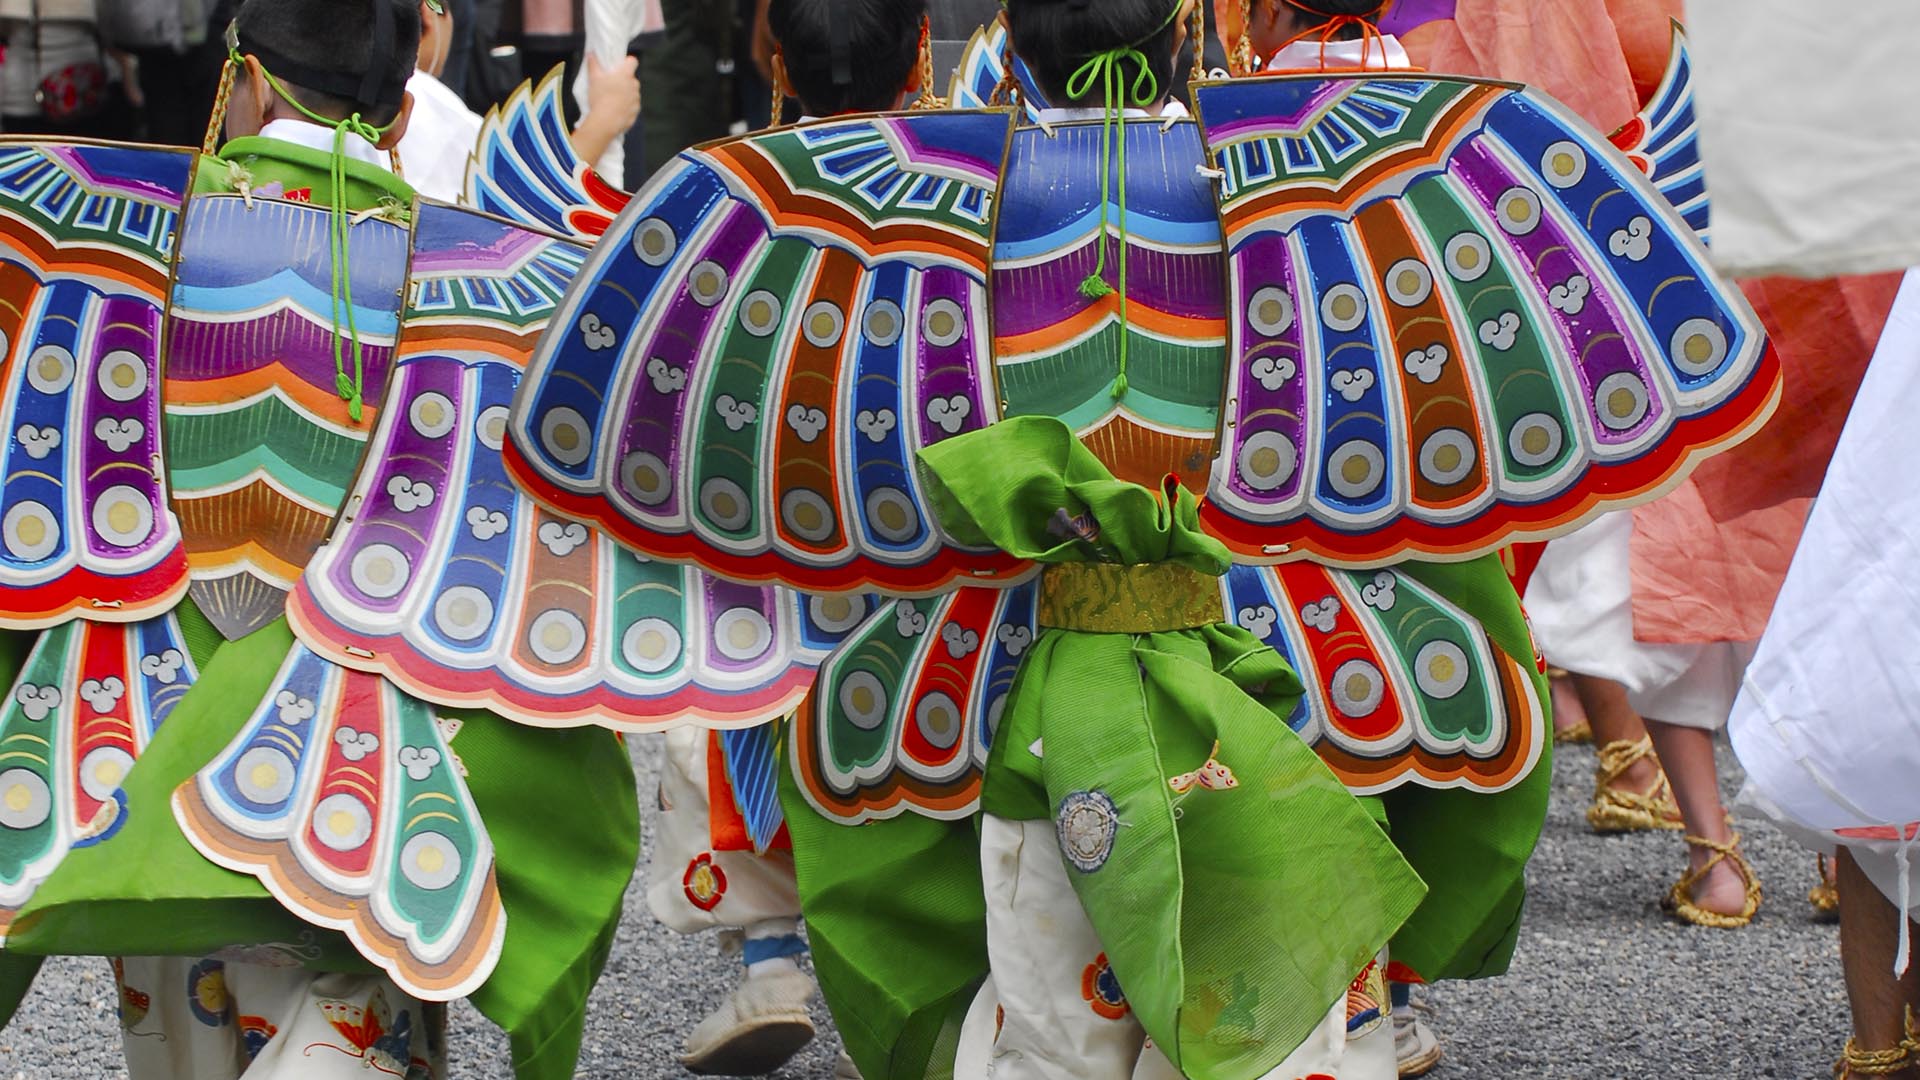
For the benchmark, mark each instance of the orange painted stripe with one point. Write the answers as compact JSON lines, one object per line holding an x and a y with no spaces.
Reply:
{"x":1183,"y":328}
{"x":242,"y":554}
{"x":812,"y":378}
{"x":324,"y":404}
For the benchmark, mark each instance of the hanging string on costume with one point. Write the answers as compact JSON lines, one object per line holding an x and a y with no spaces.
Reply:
{"x":1105,"y":71}
{"x":350,"y":387}
{"x":1240,"y":59}
{"x":929,"y":98}
{"x":1335,"y":25}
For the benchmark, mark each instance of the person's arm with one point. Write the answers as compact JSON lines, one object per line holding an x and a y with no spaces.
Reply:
{"x":613,"y":104}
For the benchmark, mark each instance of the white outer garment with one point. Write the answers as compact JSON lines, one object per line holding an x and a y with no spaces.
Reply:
{"x":760,"y":889}
{"x":1382,"y":53}
{"x":314,"y":137}
{"x":1828,"y":723}
{"x":1041,"y":948}
{"x":1809,"y":156}
{"x":440,"y":140}
{"x":611,"y":26}
{"x":1580,"y":605}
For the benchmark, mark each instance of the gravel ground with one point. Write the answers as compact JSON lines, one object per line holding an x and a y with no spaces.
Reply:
{"x":1602,"y":987}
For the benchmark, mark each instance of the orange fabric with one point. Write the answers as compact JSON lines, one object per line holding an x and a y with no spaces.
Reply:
{"x":1709,"y":559}
{"x":1700,"y":580}
{"x":728,"y":828}
{"x":1572,"y":49}
{"x":1825,"y":332}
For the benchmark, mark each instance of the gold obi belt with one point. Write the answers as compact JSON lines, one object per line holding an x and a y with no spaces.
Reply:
{"x":1128,"y":598}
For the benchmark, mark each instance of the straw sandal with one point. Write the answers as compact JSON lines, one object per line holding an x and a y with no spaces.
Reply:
{"x":1619,"y":810}
{"x":1857,"y":1062}
{"x":1679,"y":900}
{"x":1577,"y":735}
{"x":1825,"y":896}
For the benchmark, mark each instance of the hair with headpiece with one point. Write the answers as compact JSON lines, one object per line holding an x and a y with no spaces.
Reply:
{"x":338,"y":57}
{"x":1056,"y":37}
{"x":847,"y":55}
{"x":1317,"y":12}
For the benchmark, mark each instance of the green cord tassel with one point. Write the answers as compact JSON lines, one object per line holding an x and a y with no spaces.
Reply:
{"x":351,"y":388}
{"x":1104,"y":70}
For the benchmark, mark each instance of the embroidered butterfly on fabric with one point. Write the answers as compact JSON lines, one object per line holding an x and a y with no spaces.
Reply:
{"x":1212,"y":776}
{"x":366,"y":1030}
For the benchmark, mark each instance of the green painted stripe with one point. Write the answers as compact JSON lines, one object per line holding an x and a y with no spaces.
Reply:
{"x":208,"y":450}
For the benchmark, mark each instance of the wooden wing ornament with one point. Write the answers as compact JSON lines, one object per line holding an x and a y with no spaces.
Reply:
{"x":982,"y":72}
{"x":1662,"y":140}
{"x":761,"y":343}
{"x":525,"y":168}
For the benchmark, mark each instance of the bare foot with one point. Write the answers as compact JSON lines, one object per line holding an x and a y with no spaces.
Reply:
{"x":1641,"y":778}
{"x":1722,"y":890}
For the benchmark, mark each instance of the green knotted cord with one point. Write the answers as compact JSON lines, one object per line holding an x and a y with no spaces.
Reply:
{"x":1104,"y":71}
{"x":351,"y":388}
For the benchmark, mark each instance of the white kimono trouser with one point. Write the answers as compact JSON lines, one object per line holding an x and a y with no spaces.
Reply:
{"x":1052,"y":1009}
{"x":188,"y":1019}
{"x":691,"y":887}
{"x":1580,"y":604}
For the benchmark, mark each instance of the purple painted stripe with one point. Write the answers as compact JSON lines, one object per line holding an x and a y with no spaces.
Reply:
{"x":986,"y":171}
{"x":947,"y":374}
{"x":1035,"y":297}
{"x":1265,"y":261}
{"x":198,"y":350}
{"x":409,"y":453}
{"x":127,"y":325}
{"x":1275,"y":125}
{"x":723,"y":596}
{"x":1599,"y":338}
{"x":502,"y":252}
{"x":652,"y":420}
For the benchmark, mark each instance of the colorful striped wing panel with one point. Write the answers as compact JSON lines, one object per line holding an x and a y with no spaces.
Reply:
{"x":86,"y":232}
{"x":1459,"y":318}
{"x":343,"y":796}
{"x":1057,"y":352}
{"x":449,"y":581}
{"x":86,"y":703}
{"x":262,"y":446}
{"x":745,"y":369}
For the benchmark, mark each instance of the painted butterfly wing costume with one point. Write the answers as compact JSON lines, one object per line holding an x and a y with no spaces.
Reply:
{"x":1461,"y":320}
{"x":1409,"y":689}
{"x":440,"y":589}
